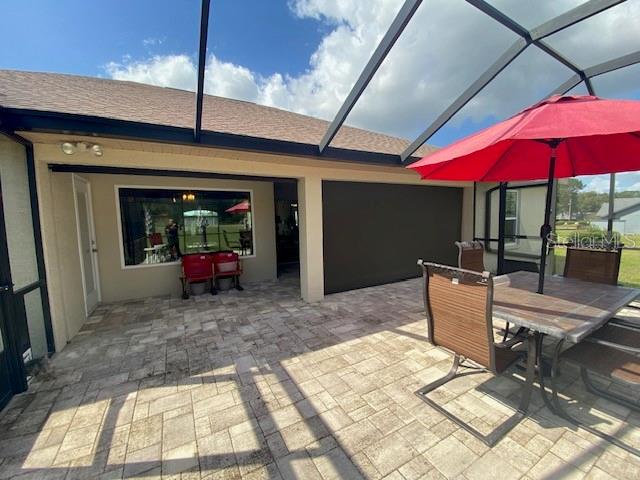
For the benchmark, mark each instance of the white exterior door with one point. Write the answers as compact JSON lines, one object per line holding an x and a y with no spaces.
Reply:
{"x":86,"y":242}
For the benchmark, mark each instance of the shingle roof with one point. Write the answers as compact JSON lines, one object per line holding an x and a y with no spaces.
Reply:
{"x":168,"y":106}
{"x":632,"y":204}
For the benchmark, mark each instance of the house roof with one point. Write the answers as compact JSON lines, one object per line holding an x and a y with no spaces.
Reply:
{"x":137,"y":102}
{"x":621,"y":207}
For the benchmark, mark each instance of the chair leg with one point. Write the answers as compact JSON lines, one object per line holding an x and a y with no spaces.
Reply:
{"x":185,"y":295}
{"x":237,"y":282}
{"x":506,"y":332}
{"x":556,"y":407}
{"x":499,"y":432}
{"x":586,"y":379}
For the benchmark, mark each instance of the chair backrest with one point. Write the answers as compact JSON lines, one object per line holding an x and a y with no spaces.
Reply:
{"x":459,"y":311}
{"x":226,"y":239}
{"x":197,"y":265}
{"x":471,"y":256}
{"x":226,"y":261}
{"x":155,"y":239}
{"x":593,"y":264}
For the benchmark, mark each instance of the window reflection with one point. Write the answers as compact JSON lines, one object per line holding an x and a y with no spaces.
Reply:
{"x":161,"y":225}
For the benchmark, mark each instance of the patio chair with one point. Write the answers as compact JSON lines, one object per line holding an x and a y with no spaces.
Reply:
{"x":598,"y":265}
{"x":232,"y":245}
{"x":458,"y":306}
{"x":226,"y":264}
{"x":155,"y":239}
{"x":471,"y":256}
{"x":196,"y":268}
{"x":612,"y":352}
{"x":245,"y":241}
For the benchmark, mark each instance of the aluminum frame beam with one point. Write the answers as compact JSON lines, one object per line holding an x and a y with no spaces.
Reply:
{"x":527,"y":37}
{"x":202,"y":59}
{"x":388,"y":41}
{"x":599,"y":69}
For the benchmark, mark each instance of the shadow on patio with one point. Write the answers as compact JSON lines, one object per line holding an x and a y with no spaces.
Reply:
{"x":258,"y":384}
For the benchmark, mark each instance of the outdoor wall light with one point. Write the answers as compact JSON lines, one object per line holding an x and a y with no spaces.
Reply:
{"x":96,"y":150}
{"x":69,"y":148}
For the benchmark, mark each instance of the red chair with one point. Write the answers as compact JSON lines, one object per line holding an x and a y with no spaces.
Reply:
{"x":227,"y":264}
{"x":155,"y":239}
{"x":196,"y":267}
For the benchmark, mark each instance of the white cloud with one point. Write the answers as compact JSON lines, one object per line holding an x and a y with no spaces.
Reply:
{"x":152,"y":41}
{"x":444,"y":48}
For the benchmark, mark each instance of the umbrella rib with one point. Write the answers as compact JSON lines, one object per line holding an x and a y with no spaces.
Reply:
{"x":442,"y":164}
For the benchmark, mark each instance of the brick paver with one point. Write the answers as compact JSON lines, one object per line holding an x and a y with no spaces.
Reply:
{"x":258,"y":384}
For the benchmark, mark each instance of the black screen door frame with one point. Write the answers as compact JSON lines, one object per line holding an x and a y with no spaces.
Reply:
{"x":11,"y":301}
{"x":11,"y":363}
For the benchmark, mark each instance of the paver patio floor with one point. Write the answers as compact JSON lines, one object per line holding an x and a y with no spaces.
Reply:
{"x":258,"y":384}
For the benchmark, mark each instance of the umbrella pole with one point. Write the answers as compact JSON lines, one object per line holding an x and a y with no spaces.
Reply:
{"x":545,"y":230}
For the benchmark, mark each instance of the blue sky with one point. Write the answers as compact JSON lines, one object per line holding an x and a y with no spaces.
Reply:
{"x":304,"y":55}
{"x":81,"y":37}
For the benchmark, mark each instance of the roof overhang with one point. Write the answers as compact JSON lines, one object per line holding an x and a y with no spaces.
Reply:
{"x":14,"y":120}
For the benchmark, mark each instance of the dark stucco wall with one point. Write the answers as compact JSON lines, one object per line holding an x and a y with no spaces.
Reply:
{"x":374,"y":233}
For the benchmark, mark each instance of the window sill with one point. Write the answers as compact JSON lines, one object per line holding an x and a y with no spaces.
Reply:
{"x":167,"y":264}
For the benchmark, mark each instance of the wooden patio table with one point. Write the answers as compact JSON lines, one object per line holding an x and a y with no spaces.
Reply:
{"x":570,"y":310}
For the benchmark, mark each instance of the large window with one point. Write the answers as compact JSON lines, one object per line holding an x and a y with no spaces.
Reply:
{"x":159,"y":225}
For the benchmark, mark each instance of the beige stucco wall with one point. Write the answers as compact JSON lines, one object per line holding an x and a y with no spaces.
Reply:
{"x":60,"y":243}
{"x":118,"y":283}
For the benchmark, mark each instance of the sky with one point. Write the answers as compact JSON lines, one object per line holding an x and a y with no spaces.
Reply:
{"x":305,"y":55}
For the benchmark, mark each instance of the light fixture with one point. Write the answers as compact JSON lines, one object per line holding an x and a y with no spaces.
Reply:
{"x":188,"y":196}
{"x":97,"y":150}
{"x":69,"y":148}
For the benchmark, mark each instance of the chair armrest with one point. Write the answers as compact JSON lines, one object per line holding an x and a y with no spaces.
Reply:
{"x":622,"y":322}
{"x":617,"y":346}
{"x":517,"y":339}
{"x":509,"y":343}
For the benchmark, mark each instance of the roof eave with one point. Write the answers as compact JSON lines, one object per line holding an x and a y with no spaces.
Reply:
{"x":16,"y":119}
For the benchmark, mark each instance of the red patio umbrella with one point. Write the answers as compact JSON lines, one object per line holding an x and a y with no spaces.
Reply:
{"x":556,"y":138}
{"x":241,"y":207}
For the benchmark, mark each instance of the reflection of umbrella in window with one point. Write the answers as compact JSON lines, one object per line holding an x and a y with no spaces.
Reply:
{"x":242,"y":207}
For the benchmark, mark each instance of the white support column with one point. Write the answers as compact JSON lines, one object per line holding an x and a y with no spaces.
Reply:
{"x":310,"y":228}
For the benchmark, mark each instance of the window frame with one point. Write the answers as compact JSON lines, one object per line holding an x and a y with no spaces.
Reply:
{"x":117,"y":189}
{"x":516,"y":218}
